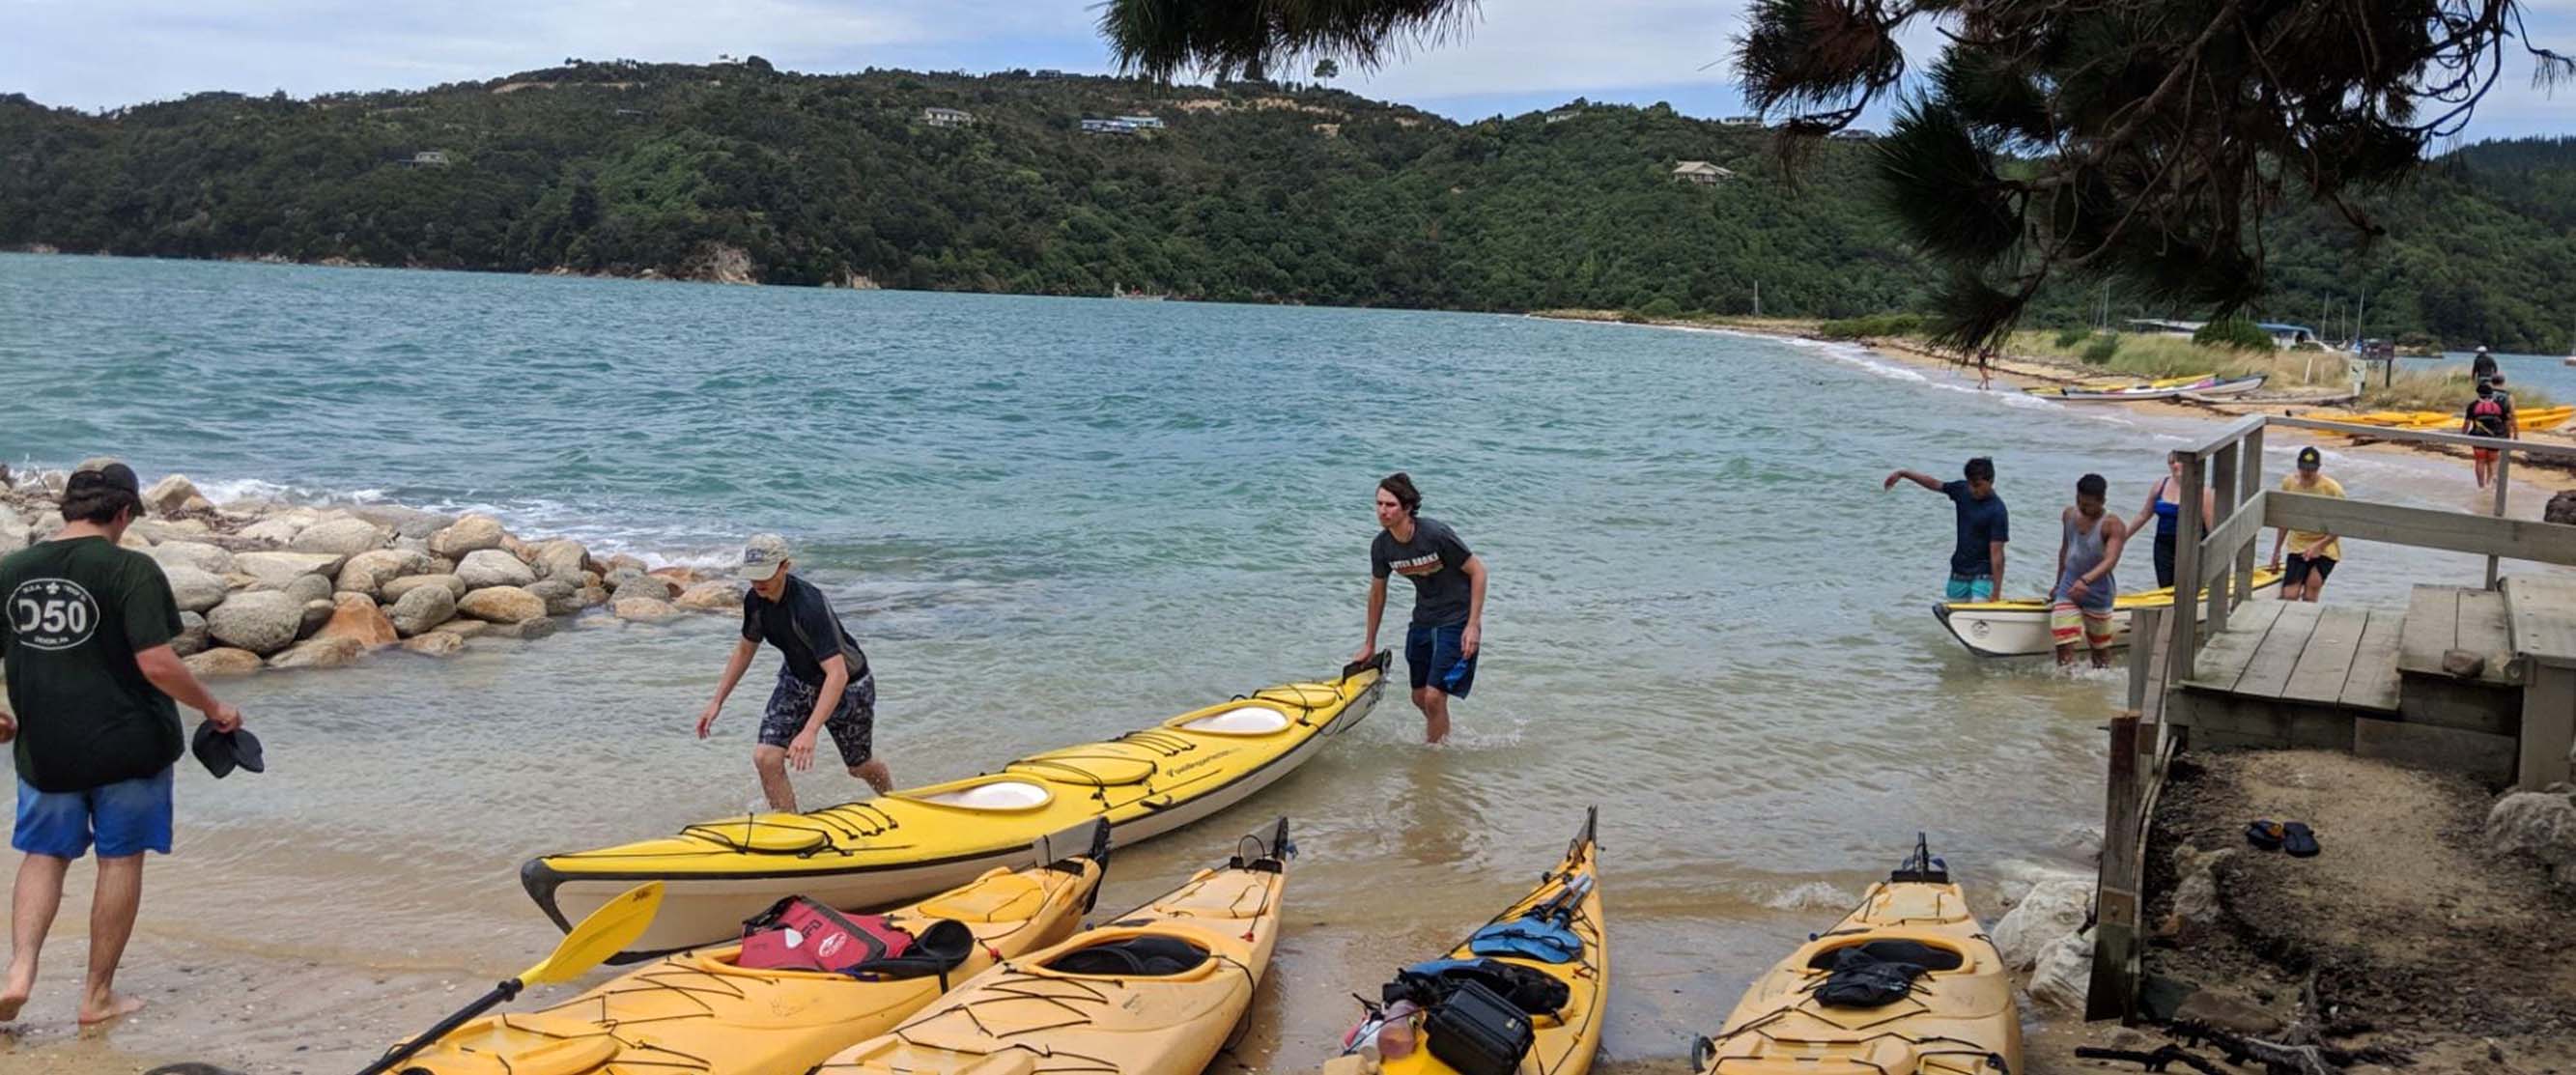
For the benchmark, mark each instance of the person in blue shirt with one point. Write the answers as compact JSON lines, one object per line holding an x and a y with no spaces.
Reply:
{"x":1977,"y":559}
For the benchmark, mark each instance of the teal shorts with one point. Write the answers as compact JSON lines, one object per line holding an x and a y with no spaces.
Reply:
{"x":1970,"y":588}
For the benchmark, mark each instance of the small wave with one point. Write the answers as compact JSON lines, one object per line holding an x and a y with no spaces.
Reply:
{"x":1810,"y":896}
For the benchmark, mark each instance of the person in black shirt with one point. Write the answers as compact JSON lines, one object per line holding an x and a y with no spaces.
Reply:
{"x":85,"y":629}
{"x":1448,"y":579}
{"x":824,"y":682}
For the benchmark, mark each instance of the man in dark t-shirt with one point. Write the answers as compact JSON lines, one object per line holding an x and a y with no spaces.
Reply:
{"x":824,"y":682}
{"x":85,"y":630}
{"x":1447,"y":628}
{"x":1977,"y":555}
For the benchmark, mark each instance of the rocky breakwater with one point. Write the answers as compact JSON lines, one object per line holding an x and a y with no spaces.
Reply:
{"x":267,"y":584}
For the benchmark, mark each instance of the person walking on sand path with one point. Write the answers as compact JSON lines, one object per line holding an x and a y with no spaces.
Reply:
{"x":2312,"y":556}
{"x":1448,"y":626}
{"x":2088,"y":548}
{"x":2164,"y":501}
{"x":85,"y":630}
{"x":2489,"y":415}
{"x":824,"y":682}
{"x":1977,"y":558}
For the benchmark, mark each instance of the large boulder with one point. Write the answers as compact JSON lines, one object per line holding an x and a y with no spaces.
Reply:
{"x":157,"y":531}
{"x":355,"y":616}
{"x":714,"y":596}
{"x":277,"y":533}
{"x":472,"y":533}
{"x":2196,"y":907}
{"x":422,"y":608}
{"x":320,"y":652}
{"x":223,"y":663}
{"x":642,"y":610}
{"x":2561,"y":509}
{"x":347,"y":537}
{"x":192,"y":635}
{"x":621,"y":562}
{"x":13,"y":531}
{"x":44,"y":526}
{"x":394,"y":591}
{"x":592,"y":596}
{"x":2063,"y":973}
{"x":493,"y":567}
{"x":274,"y":570}
{"x":403,"y":522}
{"x":316,"y":613}
{"x":2541,"y":824}
{"x":2051,"y":911}
{"x":369,"y":571}
{"x":527,"y":630}
{"x":308,"y":588}
{"x":641,"y":586}
{"x":203,"y":557}
{"x":261,"y":621}
{"x":561,"y":559}
{"x":435,"y":644}
{"x":195,"y":590}
{"x":561,"y":598}
{"x":169,"y":495}
{"x":134,"y":541}
{"x":462,"y":628}
{"x":501,"y":604}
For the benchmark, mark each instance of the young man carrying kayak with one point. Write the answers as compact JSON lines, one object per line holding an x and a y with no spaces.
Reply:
{"x":86,"y":632}
{"x":824,"y":682}
{"x":1448,"y":600}
{"x":1977,"y":558}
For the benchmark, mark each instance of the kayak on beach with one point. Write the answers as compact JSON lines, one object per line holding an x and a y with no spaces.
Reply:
{"x":1543,"y":967}
{"x":907,"y":844}
{"x":708,"y":1013}
{"x":2210,"y":385}
{"x":2020,"y":628}
{"x":1907,"y":982}
{"x":1158,"y":991}
{"x":2532,"y":419}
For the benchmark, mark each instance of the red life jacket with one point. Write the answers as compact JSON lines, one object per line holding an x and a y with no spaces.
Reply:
{"x":2488,"y":413}
{"x":799,"y":934}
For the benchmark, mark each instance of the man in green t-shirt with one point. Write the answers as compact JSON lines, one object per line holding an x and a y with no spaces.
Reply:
{"x":85,"y":629}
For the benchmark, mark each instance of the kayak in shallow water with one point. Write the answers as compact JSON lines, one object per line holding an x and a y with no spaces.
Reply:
{"x":907,"y":844}
{"x":2020,"y":628}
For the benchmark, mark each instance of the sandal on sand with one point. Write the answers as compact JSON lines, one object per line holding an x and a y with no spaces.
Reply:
{"x":2299,"y":840}
{"x":2266,"y":835}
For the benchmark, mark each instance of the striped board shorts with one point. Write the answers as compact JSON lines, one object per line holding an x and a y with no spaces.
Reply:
{"x":2067,"y":623}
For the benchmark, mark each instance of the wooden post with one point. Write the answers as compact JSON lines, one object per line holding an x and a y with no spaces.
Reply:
{"x":2548,"y":727}
{"x":2186,"y":603}
{"x":2503,"y":481}
{"x":2113,"y":991}
{"x":2250,"y":469}
{"x":2223,"y":486}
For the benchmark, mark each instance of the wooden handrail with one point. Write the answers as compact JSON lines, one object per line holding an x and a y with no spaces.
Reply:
{"x":2418,"y":436}
{"x":2428,"y":528}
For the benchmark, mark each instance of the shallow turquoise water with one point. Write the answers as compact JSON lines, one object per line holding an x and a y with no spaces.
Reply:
{"x":1052,"y":520}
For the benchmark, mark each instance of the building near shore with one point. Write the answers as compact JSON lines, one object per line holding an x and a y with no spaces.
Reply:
{"x":947,"y":117}
{"x":1700,"y":172}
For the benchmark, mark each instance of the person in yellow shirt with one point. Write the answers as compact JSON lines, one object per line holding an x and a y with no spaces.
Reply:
{"x":2312,"y":556}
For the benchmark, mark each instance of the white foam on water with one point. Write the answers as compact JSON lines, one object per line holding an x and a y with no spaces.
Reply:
{"x":1810,"y":896}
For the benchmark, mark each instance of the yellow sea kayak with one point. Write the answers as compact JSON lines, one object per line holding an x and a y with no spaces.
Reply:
{"x":1565,"y":907}
{"x":1842,"y":1003}
{"x":699,"y":1013}
{"x":907,"y":844}
{"x":1156,"y":992}
{"x":2020,"y":628}
{"x":2532,"y":419}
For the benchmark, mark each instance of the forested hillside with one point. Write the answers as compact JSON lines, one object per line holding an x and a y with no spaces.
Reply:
{"x":1249,"y":192}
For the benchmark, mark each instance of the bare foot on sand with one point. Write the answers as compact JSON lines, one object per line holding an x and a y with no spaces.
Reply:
{"x":15,"y":998}
{"x":118,"y":1005}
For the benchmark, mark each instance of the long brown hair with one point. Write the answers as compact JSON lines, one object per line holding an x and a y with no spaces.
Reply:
{"x":1401,"y":484}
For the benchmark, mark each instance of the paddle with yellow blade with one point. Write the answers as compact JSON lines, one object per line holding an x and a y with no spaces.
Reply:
{"x":607,"y":931}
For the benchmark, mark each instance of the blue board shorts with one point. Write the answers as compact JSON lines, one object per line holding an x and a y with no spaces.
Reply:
{"x":1970,"y":588}
{"x":1432,"y":655}
{"x":128,"y":817}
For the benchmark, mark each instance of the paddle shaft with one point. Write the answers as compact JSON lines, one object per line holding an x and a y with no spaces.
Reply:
{"x":499,"y":994}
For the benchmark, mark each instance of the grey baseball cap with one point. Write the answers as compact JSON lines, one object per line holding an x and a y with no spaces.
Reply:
{"x":762,"y":556}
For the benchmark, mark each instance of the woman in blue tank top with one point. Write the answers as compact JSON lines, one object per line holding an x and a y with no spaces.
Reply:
{"x":2164,"y":501}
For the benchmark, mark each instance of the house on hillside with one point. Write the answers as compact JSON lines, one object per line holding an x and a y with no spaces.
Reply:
{"x":1854,"y":134}
{"x":429,"y":158}
{"x":1700,"y":172}
{"x":947,"y":117}
{"x":1109,"y":126}
{"x":1563,"y":114}
{"x":1740,"y":121}
{"x":1142,"y":123}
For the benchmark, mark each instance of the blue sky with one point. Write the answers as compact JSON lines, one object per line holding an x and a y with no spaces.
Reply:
{"x":1519,"y":55}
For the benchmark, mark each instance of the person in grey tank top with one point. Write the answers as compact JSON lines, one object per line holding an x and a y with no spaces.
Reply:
{"x":2088,"y":548}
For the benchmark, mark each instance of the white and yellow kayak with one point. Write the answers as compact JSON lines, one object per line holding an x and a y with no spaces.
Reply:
{"x":1156,"y":992}
{"x":701,"y":1013}
{"x":2020,"y":628}
{"x":907,"y":844}
{"x":1566,"y":906}
{"x":1836,"y":1006}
